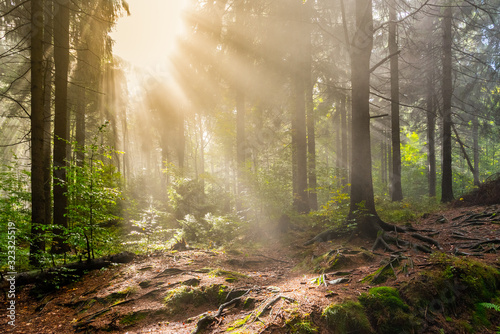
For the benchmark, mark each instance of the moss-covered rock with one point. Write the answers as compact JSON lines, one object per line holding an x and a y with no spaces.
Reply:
{"x":387,"y":312}
{"x":348,"y":317}
{"x":132,"y":318}
{"x":341,"y":259}
{"x":177,"y":299}
{"x":301,"y":324}
{"x":454,"y":282}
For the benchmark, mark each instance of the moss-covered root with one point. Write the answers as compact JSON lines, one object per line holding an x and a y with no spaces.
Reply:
{"x":349,"y":317}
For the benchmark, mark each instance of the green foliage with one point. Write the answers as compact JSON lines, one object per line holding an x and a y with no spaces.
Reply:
{"x":15,"y":209}
{"x":93,"y":195}
{"x":54,"y":280}
{"x":490,"y":306}
{"x":333,"y":213}
{"x":407,"y":210}
{"x":187,"y":197}
{"x":387,"y":311}
{"x":348,"y":317}
{"x":150,"y":231}
{"x":209,"y":230}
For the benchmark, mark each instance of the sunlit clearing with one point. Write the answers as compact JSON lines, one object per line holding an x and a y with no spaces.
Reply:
{"x":147,"y":36}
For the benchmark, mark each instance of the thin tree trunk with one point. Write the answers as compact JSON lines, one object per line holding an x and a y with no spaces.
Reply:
{"x":240,"y":139}
{"x":447,"y":174}
{"x":396,"y":188}
{"x":311,"y":123}
{"x":475,"y":138}
{"x":80,"y":112}
{"x":61,"y":133}
{"x":431,"y":135}
{"x":37,"y":245}
{"x":344,"y":128}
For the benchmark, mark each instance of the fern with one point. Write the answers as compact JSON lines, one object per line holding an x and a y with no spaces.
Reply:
{"x":490,"y":306}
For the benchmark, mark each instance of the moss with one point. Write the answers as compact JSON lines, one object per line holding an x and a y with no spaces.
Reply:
{"x":456,"y":283}
{"x":117,"y":296}
{"x":301,"y":325}
{"x":339,"y":259}
{"x":380,"y":276}
{"x":133,"y":317}
{"x":349,"y":317}
{"x":388,"y":313}
{"x":177,"y":299}
{"x":239,"y":323}
{"x":231,"y":276}
{"x":463,"y":326}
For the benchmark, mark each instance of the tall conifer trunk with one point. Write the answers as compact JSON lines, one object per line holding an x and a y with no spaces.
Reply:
{"x":47,"y":147}
{"x":431,"y":135}
{"x":396,"y":188}
{"x":362,"y":204}
{"x":447,"y":174}
{"x":299,"y":127}
{"x":311,"y":119}
{"x":61,"y":129}
{"x":37,"y":133}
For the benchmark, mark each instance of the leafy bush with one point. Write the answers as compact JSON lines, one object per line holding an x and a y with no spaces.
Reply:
{"x":15,"y":208}
{"x":93,"y":195}
{"x":211,"y":229}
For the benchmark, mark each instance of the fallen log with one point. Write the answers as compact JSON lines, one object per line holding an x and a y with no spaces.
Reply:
{"x":72,"y":270}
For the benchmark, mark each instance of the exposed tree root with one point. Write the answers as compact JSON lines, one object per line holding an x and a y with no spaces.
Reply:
{"x":426,"y":239}
{"x":207,"y":320}
{"x":373,"y":225}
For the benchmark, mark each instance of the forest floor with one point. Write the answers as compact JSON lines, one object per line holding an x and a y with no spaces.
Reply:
{"x":278,"y":287}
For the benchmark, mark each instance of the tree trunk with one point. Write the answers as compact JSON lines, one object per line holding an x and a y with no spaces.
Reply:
{"x":396,"y":188}
{"x":299,"y":130}
{"x":362,"y":205}
{"x":240,"y":139}
{"x":47,"y":114}
{"x":61,"y":133}
{"x":311,"y":119}
{"x":37,"y":245}
{"x":344,"y":155}
{"x":80,"y":110}
{"x":475,"y":138}
{"x":431,"y":135}
{"x":447,"y":175}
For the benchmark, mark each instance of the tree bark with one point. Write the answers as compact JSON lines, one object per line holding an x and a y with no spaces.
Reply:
{"x":396,"y":188}
{"x":344,"y":128}
{"x":431,"y":134}
{"x":299,"y":131}
{"x":61,"y":129}
{"x":37,"y":245}
{"x":47,"y":114}
{"x":311,"y":119}
{"x":475,"y":139}
{"x":362,"y":204}
{"x":240,"y":138}
{"x":447,"y":173}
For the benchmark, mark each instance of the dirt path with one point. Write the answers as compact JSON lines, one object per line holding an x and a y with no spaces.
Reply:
{"x":273,"y":290}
